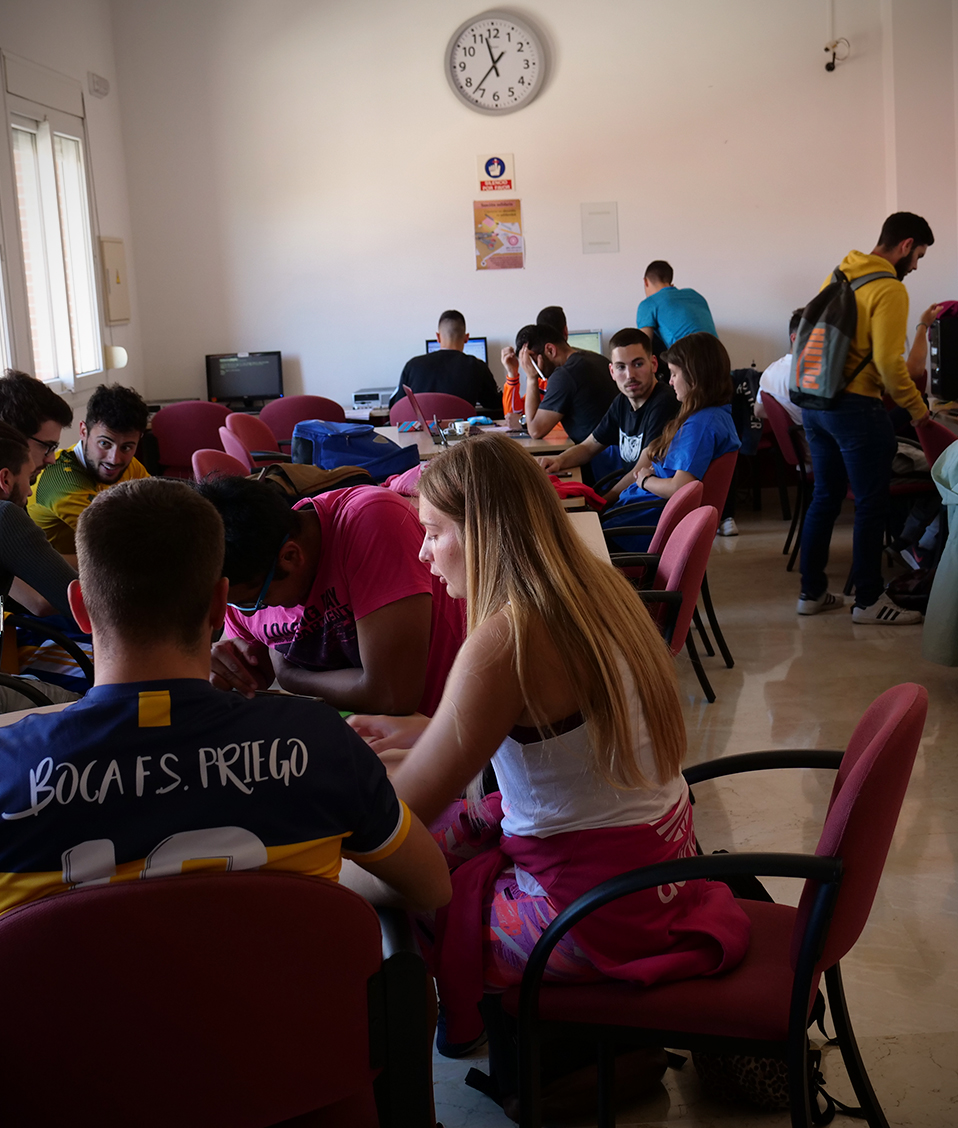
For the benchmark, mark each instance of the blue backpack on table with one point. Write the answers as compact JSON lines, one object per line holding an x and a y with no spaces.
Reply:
{"x":317,"y":442}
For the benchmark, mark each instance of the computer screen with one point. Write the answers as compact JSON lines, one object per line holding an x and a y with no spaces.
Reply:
{"x":244,"y":376}
{"x":589,"y":339}
{"x":475,"y":346}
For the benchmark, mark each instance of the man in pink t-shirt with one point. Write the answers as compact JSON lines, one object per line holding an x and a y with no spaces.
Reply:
{"x":331,"y":599}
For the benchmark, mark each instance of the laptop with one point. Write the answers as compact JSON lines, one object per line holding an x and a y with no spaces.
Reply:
{"x":433,"y":429}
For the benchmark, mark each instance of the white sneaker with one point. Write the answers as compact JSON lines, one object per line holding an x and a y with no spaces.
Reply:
{"x":825,"y":602}
{"x":728,"y":528}
{"x":886,"y":613}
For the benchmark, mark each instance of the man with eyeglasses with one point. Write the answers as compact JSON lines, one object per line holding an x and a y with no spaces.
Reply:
{"x":36,"y":412}
{"x":331,"y":599}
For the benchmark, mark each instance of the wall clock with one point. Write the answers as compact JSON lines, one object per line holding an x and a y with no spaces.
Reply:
{"x":495,"y":63}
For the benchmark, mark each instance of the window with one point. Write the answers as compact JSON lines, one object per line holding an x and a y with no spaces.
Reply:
{"x":52,"y":302}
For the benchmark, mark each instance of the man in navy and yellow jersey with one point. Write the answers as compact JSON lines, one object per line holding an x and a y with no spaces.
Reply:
{"x":116,"y":418}
{"x":155,"y":772}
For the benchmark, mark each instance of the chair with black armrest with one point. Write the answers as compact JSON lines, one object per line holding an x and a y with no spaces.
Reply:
{"x":253,"y":999}
{"x":761,"y":1007}
{"x":257,"y":438}
{"x":640,"y":567}
{"x":678,"y":580}
{"x":440,"y":405}
{"x":12,"y":616}
{"x":282,"y":415}
{"x":788,"y":435}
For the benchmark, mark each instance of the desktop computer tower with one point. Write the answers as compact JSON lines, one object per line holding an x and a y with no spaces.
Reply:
{"x":943,"y":358}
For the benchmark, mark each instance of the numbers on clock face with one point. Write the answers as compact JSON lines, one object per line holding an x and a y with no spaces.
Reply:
{"x":495,"y":64}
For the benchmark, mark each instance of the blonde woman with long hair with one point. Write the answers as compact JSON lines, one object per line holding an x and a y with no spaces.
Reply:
{"x":565,"y":685}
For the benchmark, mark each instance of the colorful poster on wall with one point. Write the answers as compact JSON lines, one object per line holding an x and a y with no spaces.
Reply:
{"x":499,"y":241}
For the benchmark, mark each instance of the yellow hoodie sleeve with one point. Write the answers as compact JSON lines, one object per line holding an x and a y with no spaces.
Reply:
{"x":884,"y":326}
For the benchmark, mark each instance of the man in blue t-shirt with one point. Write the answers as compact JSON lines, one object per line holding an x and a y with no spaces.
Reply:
{"x":155,"y":772}
{"x":636,"y":417}
{"x":668,"y":314}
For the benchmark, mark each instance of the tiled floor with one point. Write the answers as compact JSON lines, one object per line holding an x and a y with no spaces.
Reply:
{"x":803,"y":682}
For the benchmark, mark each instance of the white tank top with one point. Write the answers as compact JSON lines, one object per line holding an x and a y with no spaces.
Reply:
{"x":551,"y":787}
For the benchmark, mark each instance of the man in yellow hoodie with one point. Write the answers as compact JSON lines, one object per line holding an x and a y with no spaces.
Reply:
{"x":854,"y":443}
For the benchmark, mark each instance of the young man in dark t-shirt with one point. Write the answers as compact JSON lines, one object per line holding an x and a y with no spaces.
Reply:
{"x":636,"y":416}
{"x":451,"y":370}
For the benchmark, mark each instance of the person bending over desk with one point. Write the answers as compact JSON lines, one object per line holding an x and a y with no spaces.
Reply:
{"x":565,"y":684}
{"x":331,"y":599}
{"x":701,"y":432}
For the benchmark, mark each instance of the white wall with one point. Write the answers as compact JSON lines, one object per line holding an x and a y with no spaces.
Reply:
{"x":75,"y":37}
{"x":301,"y":176}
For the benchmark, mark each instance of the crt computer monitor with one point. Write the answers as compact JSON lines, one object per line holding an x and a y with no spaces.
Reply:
{"x":588,"y":339}
{"x":475,"y":346}
{"x":245,"y":376}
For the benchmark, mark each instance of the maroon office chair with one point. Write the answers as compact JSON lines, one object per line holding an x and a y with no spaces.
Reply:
{"x":282,"y":415}
{"x":437,"y":404}
{"x":225,"y":1000}
{"x":935,"y":440}
{"x":678,"y":580}
{"x":235,"y":448}
{"x":207,"y":462}
{"x":256,"y":437}
{"x":181,"y":428}
{"x":793,"y":452}
{"x":640,"y":567}
{"x":761,"y":1007}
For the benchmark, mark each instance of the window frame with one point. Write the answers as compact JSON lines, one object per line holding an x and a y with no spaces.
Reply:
{"x":62,"y":118}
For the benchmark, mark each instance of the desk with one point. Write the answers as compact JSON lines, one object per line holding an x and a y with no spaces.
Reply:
{"x":554,"y":443}
{"x":589,"y":528}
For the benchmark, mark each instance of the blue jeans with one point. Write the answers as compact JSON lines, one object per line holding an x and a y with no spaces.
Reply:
{"x":853,"y":444}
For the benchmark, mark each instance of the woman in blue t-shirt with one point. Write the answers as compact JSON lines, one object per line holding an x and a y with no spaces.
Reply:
{"x":701,"y":432}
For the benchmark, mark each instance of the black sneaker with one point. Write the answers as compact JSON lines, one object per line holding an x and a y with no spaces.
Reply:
{"x":455,"y":1049}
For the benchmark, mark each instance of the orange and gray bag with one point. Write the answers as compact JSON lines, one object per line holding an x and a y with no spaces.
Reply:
{"x":824,"y":337}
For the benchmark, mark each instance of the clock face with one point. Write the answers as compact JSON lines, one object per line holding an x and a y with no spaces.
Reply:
{"x":495,"y":63}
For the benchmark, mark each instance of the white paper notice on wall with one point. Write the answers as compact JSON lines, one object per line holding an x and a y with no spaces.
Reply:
{"x":600,"y":228}
{"x":497,"y":173}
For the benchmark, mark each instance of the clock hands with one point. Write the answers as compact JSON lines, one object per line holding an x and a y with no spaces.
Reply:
{"x":494,"y":66}
{"x":494,"y":60}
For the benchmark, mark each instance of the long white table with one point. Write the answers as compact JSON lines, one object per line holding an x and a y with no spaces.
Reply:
{"x":587,"y":524}
{"x":554,"y":443}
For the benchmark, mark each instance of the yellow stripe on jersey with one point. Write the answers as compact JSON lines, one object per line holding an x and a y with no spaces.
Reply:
{"x":396,"y":839}
{"x":155,"y":708}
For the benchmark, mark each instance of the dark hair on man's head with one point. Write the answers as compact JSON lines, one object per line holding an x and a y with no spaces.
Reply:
{"x":452,"y":322}
{"x":795,"y":320}
{"x":537,"y":337}
{"x":27,"y":403}
{"x":659,"y":271}
{"x":14,"y":450}
{"x":905,"y":225}
{"x":150,"y":554}
{"x":626,"y":337}
{"x":553,"y":316}
{"x":121,"y":410}
{"x":256,"y":519}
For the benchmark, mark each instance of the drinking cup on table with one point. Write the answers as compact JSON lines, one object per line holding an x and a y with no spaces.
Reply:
{"x":461,"y":426}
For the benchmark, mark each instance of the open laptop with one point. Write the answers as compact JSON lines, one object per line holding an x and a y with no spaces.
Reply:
{"x":435,"y":428}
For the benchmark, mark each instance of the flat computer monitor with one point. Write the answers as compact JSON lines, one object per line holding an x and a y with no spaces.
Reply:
{"x":475,"y":346}
{"x":588,"y":339}
{"x":246,"y":376}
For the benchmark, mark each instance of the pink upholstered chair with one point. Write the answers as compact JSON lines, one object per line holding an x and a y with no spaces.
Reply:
{"x":437,"y":404}
{"x":256,"y":437}
{"x":761,"y":1007}
{"x":235,"y":448}
{"x":640,"y":567}
{"x":282,"y":415}
{"x":678,"y":580}
{"x":250,"y":998}
{"x":207,"y":462}
{"x":181,"y":428}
